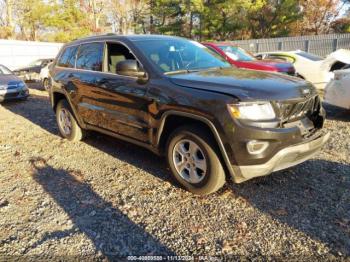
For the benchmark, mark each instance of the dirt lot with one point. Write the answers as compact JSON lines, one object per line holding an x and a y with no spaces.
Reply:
{"x":103,"y":198}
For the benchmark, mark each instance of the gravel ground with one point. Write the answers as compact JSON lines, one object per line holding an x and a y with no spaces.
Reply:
{"x":103,"y":198}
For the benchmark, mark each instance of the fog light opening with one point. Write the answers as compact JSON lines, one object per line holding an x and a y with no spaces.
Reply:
{"x":257,"y":147}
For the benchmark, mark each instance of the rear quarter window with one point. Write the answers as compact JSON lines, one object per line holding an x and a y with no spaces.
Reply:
{"x":67,"y":58}
{"x":90,"y":56}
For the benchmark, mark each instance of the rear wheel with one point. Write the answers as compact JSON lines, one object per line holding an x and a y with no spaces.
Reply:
{"x":194,"y":162}
{"x":67,"y":124}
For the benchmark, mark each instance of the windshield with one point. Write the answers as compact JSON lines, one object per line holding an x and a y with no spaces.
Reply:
{"x":310,"y":56}
{"x":36,"y":63}
{"x":173,"y":55}
{"x":237,"y":53}
{"x":4,"y":70}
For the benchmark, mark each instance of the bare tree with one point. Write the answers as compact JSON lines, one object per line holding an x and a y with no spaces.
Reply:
{"x":126,"y":14}
{"x":6,"y":19}
{"x":318,"y":16}
{"x":96,"y":10}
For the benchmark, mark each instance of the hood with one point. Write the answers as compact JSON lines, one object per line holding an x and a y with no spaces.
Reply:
{"x":6,"y":79}
{"x":246,"y":84}
{"x":341,"y":55}
{"x":280,"y":66}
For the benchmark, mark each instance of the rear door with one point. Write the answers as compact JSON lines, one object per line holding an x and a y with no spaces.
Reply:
{"x":62,"y":73}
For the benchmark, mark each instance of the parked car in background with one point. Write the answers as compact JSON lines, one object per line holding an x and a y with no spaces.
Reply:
{"x":32,"y":71}
{"x":243,"y":59}
{"x":44,"y":76}
{"x":11,"y":86}
{"x":337,"y":91}
{"x":316,"y":69}
{"x":178,"y":99}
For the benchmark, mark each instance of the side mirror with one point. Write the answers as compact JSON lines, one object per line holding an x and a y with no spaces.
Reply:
{"x":129,"y":68}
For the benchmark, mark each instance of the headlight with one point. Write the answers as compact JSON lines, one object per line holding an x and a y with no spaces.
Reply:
{"x":21,"y":85}
{"x":252,"y":111}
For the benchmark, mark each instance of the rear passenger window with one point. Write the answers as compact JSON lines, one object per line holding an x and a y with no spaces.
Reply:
{"x":90,"y":56}
{"x":67,"y":58}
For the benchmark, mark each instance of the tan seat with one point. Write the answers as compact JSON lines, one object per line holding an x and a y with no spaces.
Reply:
{"x":114,"y":60}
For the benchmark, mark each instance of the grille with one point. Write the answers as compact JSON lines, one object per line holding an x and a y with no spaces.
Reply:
{"x":12,"y":87}
{"x":290,"y":111}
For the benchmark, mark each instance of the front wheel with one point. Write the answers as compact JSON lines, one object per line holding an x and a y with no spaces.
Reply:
{"x":66,"y":122}
{"x":194,"y":161}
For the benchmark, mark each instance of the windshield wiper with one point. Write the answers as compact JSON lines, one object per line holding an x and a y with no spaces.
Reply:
{"x":186,"y":71}
{"x":213,"y":68}
{"x":181,"y":71}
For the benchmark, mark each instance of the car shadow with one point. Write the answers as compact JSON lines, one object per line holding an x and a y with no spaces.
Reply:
{"x":313,"y":197}
{"x":112,"y":233}
{"x":38,"y":110}
{"x":336,"y":113}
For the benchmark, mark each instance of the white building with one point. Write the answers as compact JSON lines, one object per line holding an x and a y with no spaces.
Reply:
{"x":14,"y":54}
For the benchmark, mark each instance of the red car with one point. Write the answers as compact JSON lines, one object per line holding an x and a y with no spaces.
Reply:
{"x":243,"y":59}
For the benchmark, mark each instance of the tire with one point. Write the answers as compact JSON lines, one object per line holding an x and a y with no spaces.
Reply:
{"x":46,"y":84}
{"x":200,"y":182}
{"x":75,"y":132}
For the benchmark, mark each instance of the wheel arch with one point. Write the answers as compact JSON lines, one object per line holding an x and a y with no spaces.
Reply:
{"x":170,"y":121}
{"x":56,"y":96}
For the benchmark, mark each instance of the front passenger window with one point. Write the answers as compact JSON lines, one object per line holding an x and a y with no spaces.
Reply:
{"x":115,"y":54}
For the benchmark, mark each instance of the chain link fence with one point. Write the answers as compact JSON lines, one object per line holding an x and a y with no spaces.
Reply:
{"x":321,"y":45}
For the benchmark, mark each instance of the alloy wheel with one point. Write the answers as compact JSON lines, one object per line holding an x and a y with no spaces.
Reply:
{"x":65,"y":121}
{"x":189,"y":161}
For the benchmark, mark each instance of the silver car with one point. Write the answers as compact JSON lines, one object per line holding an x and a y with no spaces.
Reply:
{"x":11,"y":86}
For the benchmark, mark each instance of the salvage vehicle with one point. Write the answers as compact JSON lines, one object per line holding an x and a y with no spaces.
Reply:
{"x":180,"y":100}
{"x":337,"y":91}
{"x":243,"y":59}
{"x":313,"y":68}
{"x":32,"y":71}
{"x":11,"y":87}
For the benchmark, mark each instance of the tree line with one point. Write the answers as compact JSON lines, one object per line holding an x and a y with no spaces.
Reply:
{"x":64,"y":20}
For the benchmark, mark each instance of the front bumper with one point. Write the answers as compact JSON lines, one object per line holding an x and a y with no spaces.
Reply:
{"x":13,"y":94}
{"x":285,"y":158}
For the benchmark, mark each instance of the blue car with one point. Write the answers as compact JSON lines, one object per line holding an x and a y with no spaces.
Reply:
{"x":11,"y":86}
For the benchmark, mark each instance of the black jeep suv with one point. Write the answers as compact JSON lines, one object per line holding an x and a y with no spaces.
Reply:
{"x":179,"y":99}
